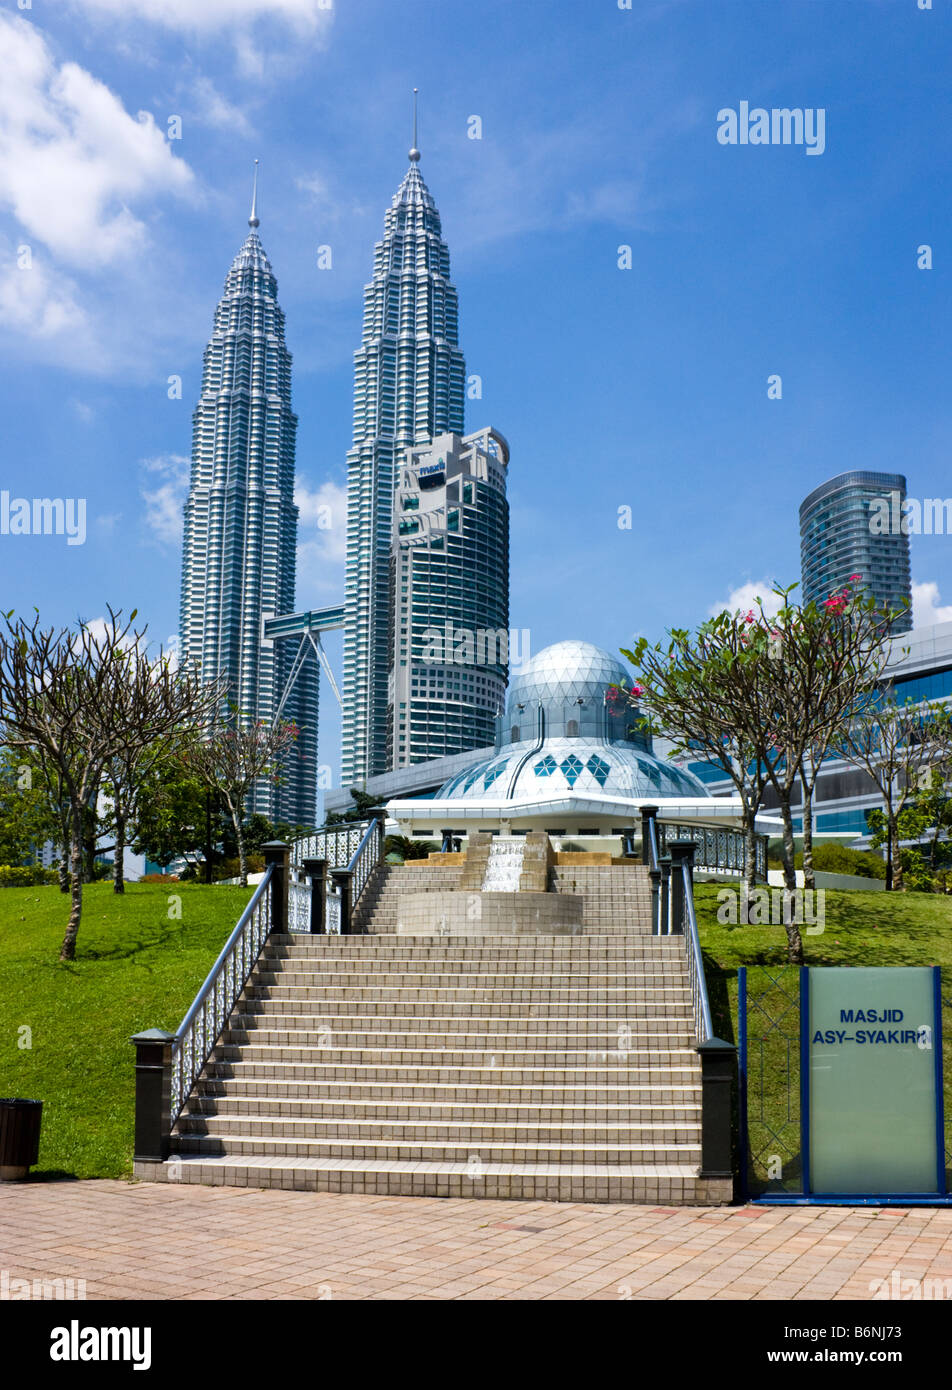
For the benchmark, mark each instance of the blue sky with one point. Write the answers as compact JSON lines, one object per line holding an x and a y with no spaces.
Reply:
{"x":644,"y":387}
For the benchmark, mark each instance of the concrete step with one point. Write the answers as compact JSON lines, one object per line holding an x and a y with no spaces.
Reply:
{"x":436,"y":1129}
{"x":496,"y":1070}
{"x":411,"y":1051}
{"x":451,"y":1111}
{"x":440,"y":1150}
{"x":551,"y":1029}
{"x":244,"y":1079}
{"x":657,"y":1184}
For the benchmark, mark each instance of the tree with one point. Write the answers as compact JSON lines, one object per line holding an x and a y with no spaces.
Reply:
{"x":694,"y":688}
{"x":363,"y":806}
{"x":230,"y":760}
{"x":26,"y":819}
{"x":820,"y":661}
{"x":754,"y":691}
{"x":176,"y":816}
{"x":896,"y":745}
{"x":82,"y":699}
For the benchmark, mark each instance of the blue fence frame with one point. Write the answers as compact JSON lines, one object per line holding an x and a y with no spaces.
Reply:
{"x":806,"y":1196}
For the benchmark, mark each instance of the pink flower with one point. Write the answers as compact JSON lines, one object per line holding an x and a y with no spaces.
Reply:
{"x":856,"y":576}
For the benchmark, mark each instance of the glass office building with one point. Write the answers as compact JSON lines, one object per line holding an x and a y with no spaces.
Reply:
{"x":449,"y":577}
{"x":239,"y":549}
{"x":409,"y":385}
{"x":837,"y":540}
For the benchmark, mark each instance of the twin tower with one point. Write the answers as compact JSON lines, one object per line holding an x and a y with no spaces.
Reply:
{"x":427,"y":576}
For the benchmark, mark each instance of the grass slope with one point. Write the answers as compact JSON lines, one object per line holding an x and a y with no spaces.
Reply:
{"x":136,"y":967}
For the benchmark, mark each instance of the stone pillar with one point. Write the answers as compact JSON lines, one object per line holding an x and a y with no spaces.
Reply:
{"x":153,"y":1117}
{"x":648,"y":815}
{"x":343,"y":882}
{"x":718,"y":1074}
{"x":316,"y":870}
{"x":277,"y":853}
{"x":682,"y":852}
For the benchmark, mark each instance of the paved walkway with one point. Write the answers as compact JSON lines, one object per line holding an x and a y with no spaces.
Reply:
{"x":155,"y":1241}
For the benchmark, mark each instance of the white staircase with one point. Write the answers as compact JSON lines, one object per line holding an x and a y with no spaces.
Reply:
{"x":503,"y":1066}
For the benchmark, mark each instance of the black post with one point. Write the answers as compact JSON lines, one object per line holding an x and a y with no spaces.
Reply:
{"x":718,"y":1072}
{"x":276,"y":852}
{"x":342,"y":878}
{"x":380,"y":816}
{"x":664,"y":865}
{"x":655,"y":876}
{"x":628,"y":843}
{"x":153,"y":1123}
{"x":681,"y":852}
{"x":447,"y":846}
{"x":316,"y":870}
{"x":648,"y":814}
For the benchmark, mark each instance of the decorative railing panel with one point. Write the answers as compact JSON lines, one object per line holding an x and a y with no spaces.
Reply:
{"x":200,"y":1029}
{"x":719,"y":850}
{"x":335,"y":844}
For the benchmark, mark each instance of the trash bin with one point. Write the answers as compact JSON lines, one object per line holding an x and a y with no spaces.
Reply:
{"x":19,"y":1137}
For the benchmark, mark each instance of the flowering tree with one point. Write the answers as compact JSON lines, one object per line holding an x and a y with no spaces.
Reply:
{"x":753,"y":691}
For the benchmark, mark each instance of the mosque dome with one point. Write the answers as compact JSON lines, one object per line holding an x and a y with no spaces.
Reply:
{"x":568,"y":730}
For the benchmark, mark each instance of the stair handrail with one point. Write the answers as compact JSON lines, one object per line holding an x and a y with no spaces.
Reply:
{"x":703,"y":1026}
{"x":198,"y":1033}
{"x":684,"y":923}
{"x":365,"y":859}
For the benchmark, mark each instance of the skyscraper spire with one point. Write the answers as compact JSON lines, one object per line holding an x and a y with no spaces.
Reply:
{"x":239,"y":550}
{"x":253,"y":219}
{"x":409,"y":387}
{"x":414,"y":152}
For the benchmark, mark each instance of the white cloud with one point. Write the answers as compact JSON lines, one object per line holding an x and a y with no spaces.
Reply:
{"x":745,"y":596}
{"x":210,"y":16}
{"x":72,"y":158}
{"x":163,"y":515}
{"x":37,"y":301}
{"x":926,"y":608}
{"x":214,"y":110}
{"x":322,"y":541}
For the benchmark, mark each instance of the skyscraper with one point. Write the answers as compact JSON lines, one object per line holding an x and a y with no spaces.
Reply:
{"x":449,"y":628}
{"x":837,"y":540}
{"x":238,"y":560}
{"x":409,"y":384}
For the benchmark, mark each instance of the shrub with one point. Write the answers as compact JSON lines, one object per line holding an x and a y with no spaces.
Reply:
{"x":26,"y":875}
{"x":835,"y":858}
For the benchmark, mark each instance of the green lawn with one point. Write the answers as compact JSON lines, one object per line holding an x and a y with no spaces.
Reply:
{"x":860,"y":929}
{"x":136,"y":967}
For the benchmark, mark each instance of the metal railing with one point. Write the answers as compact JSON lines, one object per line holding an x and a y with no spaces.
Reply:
{"x":683,"y":905}
{"x":366,"y":857}
{"x":719,"y":850}
{"x":200,"y":1029}
{"x":344,"y":857}
{"x":335,"y":844}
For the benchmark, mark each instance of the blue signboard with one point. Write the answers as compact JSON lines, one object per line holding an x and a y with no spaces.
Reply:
{"x":871,"y":1079}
